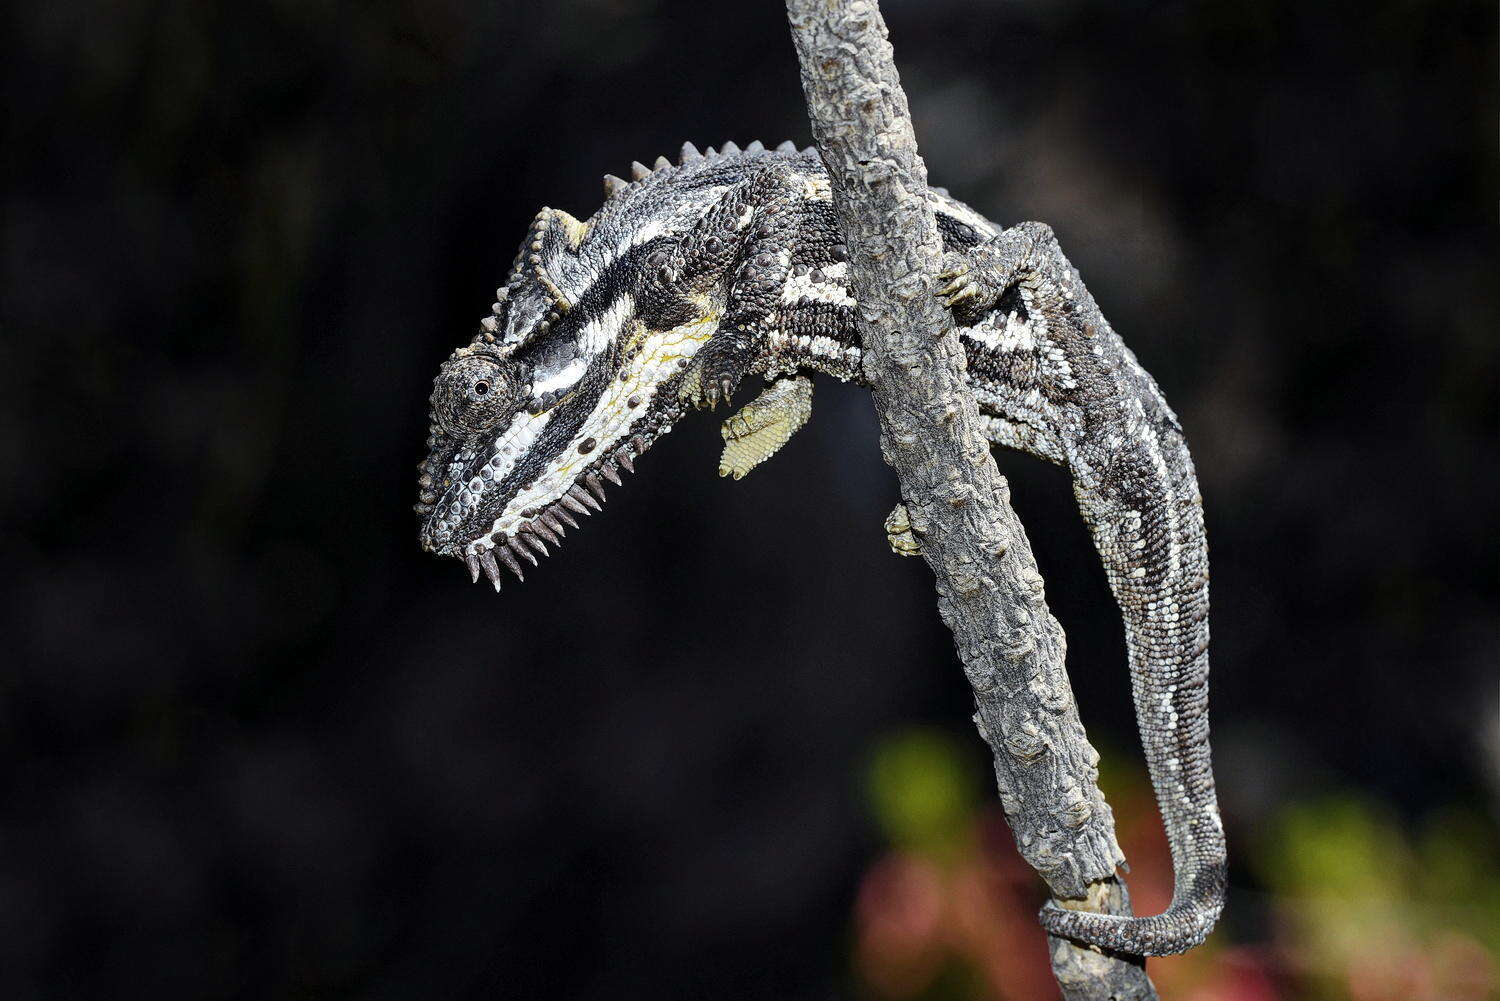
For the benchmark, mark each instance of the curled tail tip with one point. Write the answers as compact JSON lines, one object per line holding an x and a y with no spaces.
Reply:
{"x":1179,"y":928}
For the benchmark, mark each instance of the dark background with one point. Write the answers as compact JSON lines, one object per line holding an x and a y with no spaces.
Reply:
{"x":255,"y":744}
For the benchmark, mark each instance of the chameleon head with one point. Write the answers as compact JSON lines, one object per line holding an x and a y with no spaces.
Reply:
{"x":547,"y":402}
{"x":480,"y":428}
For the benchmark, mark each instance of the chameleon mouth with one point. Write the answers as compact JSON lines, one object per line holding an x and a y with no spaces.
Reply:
{"x":548,"y":524}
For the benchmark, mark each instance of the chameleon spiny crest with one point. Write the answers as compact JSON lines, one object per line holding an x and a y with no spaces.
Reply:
{"x":693,"y":277}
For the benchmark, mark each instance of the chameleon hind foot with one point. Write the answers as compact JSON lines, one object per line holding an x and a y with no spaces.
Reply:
{"x":765,"y":424}
{"x":972,"y":280}
{"x":965,"y":287}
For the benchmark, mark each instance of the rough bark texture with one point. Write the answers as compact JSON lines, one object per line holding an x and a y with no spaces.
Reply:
{"x":990,"y":593}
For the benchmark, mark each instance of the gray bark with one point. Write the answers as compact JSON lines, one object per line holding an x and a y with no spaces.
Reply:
{"x":990,"y":593}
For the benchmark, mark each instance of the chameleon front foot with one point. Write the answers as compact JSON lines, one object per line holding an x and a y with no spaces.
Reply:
{"x":899,"y":534}
{"x":704,"y":393}
{"x":765,"y":424}
{"x":717,"y":370}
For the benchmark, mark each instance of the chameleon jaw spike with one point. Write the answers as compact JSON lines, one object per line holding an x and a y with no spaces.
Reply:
{"x":491,"y":569}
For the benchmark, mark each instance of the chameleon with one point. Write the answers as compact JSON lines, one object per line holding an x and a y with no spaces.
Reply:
{"x":696,"y":276}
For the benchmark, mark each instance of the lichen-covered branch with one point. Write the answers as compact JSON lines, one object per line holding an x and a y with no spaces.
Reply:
{"x":989,"y":591}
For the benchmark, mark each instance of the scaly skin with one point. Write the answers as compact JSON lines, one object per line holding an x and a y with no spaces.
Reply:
{"x":692,"y":278}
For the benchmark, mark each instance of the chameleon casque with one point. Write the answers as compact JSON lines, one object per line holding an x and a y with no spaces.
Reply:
{"x":695,"y":276}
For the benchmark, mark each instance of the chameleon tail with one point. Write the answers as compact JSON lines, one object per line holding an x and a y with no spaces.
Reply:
{"x":1143,"y":508}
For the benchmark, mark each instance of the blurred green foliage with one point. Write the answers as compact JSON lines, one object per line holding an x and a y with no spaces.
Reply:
{"x":1359,"y":904}
{"x":1373,"y":909}
{"x":923,"y":790}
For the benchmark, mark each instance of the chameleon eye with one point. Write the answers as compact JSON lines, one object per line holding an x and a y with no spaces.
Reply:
{"x":473,"y":392}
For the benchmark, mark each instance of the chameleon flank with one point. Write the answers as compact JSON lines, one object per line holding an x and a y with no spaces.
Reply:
{"x":697,"y":275}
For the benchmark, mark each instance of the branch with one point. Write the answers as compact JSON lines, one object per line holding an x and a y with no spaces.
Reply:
{"x":989,"y":591}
